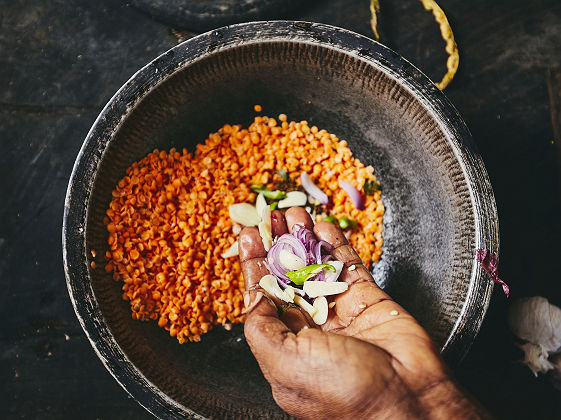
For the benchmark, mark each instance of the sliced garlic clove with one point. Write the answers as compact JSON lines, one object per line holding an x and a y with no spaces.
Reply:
{"x":331,"y":276}
{"x":260,"y":204}
{"x":265,"y":228}
{"x":266,"y":236}
{"x":236,"y":228}
{"x":293,"y":199}
{"x":270,"y":285}
{"x":290,"y":261}
{"x":266,"y":215}
{"x":290,"y":292}
{"x":244,"y":214}
{"x":320,"y":317}
{"x":322,"y":288}
{"x":233,"y":251}
{"x":303,"y":303}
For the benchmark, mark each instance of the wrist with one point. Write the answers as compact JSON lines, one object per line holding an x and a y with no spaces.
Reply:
{"x":445,"y":400}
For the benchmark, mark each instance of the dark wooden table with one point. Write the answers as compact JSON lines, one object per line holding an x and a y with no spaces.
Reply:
{"x":60,"y":61}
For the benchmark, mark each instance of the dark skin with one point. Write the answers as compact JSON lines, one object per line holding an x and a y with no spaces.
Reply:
{"x":370,"y":359}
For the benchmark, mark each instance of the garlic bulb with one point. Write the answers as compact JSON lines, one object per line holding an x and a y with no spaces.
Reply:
{"x":537,"y":322}
{"x":535,"y":357}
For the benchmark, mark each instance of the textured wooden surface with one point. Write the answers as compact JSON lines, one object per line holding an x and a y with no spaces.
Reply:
{"x":61,"y":61}
{"x":203,"y":15}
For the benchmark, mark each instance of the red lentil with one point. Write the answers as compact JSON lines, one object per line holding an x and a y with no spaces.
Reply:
{"x":168,"y":222}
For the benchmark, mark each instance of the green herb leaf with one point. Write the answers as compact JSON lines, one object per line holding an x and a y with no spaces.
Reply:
{"x":346,"y":223}
{"x":298,"y":277}
{"x":283,"y":174}
{"x":283,"y":308}
{"x":370,"y":187}
{"x":274,"y":205}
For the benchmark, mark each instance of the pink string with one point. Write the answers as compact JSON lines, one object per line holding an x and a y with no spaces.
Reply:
{"x":489,"y":263}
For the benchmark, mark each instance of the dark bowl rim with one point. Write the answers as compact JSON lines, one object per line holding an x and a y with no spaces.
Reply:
{"x":158,"y":70}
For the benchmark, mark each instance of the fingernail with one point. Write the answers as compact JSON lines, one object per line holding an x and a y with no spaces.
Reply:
{"x":246,"y":299}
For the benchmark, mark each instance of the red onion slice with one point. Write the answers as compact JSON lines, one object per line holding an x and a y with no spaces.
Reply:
{"x":319,"y":259}
{"x":303,"y":243}
{"x":355,"y":194}
{"x":313,"y":189}
{"x":338,"y":268}
{"x":289,"y":243}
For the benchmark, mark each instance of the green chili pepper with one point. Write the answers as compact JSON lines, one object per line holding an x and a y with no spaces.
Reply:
{"x":257,"y":188}
{"x":274,"y":205}
{"x":331,"y":219}
{"x":274,"y":195}
{"x":346,"y":223}
{"x":298,"y":277}
{"x":370,"y":187}
{"x":343,"y":222}
{"x":271,"y":195}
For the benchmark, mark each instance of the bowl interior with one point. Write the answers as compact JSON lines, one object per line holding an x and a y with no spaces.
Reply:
{"x":429,"y":224}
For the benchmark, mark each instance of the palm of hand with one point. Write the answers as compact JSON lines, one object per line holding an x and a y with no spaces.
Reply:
{"x":369,"y":357}
{"x":370,"y":365}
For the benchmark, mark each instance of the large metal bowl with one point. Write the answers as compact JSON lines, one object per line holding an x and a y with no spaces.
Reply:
{"x":439,"y":202}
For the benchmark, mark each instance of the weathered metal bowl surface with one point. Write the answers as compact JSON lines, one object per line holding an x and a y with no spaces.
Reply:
{"x":439,"y":202}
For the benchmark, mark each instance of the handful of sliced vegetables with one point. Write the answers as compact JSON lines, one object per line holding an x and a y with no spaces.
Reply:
{"x":304,"y":266}
{"x":246,"y":214}
{"x":302,"y":269}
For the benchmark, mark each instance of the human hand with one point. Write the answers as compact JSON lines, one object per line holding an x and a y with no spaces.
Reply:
{"x":370,"y":359}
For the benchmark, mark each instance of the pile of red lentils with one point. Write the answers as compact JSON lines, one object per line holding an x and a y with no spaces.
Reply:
{"x":168,"y":221}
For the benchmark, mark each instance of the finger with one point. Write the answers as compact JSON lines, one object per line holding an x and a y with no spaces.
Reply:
{"x":252,"y":258}
{"x":251,"y":245}
{"x":358,"y":298}
{"x":362,"y":293}
{"x":295,"y":318}
{"x":265,"y":333}
{"x":354,"y":270}
{"x":298,"y":215}
{"x":277,"y":349}
{"x":278,"y":223}
{"x":294,"y":216}
{"x":329,"y":232}
{"x":378,"y":314}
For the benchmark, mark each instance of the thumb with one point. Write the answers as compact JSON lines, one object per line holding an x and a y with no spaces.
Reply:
{"x":363,"y":295}
{"x":266,"y":334}
{"x":252,"y":258}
